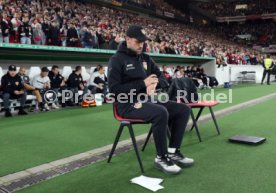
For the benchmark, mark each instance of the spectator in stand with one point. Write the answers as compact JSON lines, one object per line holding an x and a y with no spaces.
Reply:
{"x":87,"y":38}
{"x":25,"y":32}
{"x":46,"y":26}
{"x":54,"y":34}
{"x":72,"y":36}
{"x":16,"y":22}
{"x":114,"y":42}
{"x":95,"y":40}
{"x":38,"y":36}
{"x":5,"y":28}
{"x":13,"y":88}
{"x":101,"y":39}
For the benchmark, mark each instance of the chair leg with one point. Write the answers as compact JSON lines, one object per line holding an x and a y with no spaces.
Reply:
{"x":135,"y":147}
{"x":214,"y":119}
{"x":116,"y":142}
{"x":147,"y":139}
{"x":197,"y":117}
{"x":196,"y":127}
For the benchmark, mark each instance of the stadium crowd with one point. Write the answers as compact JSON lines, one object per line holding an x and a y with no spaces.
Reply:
{"x":153,"y":5}
{"x":261,"y":33}
{"x":239,"y":8}
{"x":71,"y":24}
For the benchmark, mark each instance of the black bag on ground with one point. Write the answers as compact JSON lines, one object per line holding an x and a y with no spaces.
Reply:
{"x":186,"y":89}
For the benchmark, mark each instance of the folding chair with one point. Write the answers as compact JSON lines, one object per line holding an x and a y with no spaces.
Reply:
{"x":126,"y":123}
{"x":201,"y":105}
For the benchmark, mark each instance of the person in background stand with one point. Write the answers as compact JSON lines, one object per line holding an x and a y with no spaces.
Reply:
{"x":25,"y":32}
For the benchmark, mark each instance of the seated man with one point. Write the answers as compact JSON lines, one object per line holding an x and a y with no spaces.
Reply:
{"x":166,"y":74}
{"x":75,"y":84}
{"x":28,"y":87}
{"x":13,"y":88}
{"x":42,"y":83}
{"x":56,"y":80}
{"x":132,"y":70}
{"x":98,"y":81}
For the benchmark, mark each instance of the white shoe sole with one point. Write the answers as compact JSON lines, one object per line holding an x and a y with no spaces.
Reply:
{"x":157,"y":166}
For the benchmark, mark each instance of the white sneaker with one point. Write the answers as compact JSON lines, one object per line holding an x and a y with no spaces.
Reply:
{"x":47,"y":107}
{"x":54,"y":106}
{"x":166,"y":165}
{"x":179,"y":159}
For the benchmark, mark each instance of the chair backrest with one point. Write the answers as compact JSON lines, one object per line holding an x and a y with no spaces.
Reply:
{"x":106,"y":71}
{"x":1,"y":73}
{"x":66,"y":71}
{"x":92,"y":70}
{"x":34,"y":71}
{"x":84,"y":74}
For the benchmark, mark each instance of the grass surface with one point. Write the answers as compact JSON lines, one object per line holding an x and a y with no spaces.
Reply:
{"x":44,"y":137}
{"x":220,"y":167}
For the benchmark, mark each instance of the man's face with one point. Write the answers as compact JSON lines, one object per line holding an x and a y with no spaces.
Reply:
{"x":134,"y":45}
{"x":12,"y":73}
{"x":55,"y":71}
{"x":5,"y":15}
{"x":22,"y":71}
{"x":101,"y":71}
{"x":25,"y":20}
{"x":44,"y":74}
{"x":78,"y":72}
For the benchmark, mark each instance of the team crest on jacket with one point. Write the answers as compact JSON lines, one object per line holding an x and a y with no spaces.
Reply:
{"x":145,"y":65}
{"x":16,"y":83}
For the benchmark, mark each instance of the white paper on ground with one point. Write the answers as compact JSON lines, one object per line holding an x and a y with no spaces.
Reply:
{"x":148,"y":182}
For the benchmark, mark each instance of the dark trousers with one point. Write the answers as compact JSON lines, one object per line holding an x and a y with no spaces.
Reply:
{"x":172,"y":115}
{"x":7,"y":96}
{"x":75,"y":92}
{"x":268,"y":76}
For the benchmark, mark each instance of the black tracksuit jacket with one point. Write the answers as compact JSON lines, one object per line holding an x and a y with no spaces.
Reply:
{"x":126,"y":72}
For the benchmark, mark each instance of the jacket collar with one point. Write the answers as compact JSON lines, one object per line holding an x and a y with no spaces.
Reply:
{"x":123,"y":49}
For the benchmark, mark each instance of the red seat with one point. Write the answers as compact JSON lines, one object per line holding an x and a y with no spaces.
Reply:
{"x":204,"y":103}
{"x":201,"y":105}
{"x":119,"y":118}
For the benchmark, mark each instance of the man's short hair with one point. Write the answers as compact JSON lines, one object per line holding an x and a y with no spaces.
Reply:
{"x":44,"y":69}
{"x":78,"y":68}
{"x":100,"y":67}
{"x":54,"y":67}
